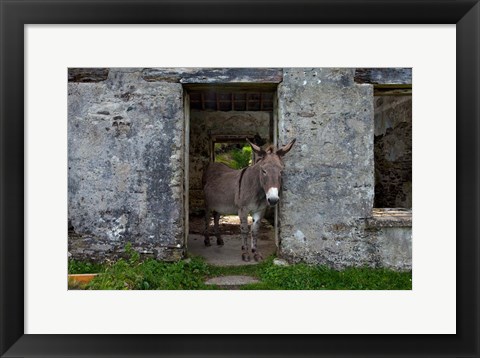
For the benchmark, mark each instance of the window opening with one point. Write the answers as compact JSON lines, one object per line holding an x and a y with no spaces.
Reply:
{"x":234,"y":155}
{"x":393,"y":149}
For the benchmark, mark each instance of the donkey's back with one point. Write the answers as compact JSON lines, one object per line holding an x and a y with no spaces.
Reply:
{"x":219,"y":183}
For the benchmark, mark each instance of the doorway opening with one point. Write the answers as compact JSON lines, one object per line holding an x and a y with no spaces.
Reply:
{"x":220,"y":119}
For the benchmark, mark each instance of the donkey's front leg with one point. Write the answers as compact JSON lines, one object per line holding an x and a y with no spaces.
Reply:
{"x":207,"y":224}
{"x":243,"y":215}
{"x":257,"y":219}
{"x":216,"y":219}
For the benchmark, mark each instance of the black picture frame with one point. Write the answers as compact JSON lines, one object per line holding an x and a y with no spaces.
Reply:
{"x":15,"y":14}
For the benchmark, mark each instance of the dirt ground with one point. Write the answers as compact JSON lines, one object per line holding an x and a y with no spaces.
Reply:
{"x":231,"y":252}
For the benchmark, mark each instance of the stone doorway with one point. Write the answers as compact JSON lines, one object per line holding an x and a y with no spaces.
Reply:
{"x":219,"y":119}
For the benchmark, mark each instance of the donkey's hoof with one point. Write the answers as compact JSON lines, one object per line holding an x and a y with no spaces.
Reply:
{"x":258,"y":257}
{"x":207,"y":242}
{"x":220,"y":242}
{"x":245,"y":257}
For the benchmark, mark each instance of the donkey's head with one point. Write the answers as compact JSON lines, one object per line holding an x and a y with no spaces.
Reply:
{"x":271,"y":167}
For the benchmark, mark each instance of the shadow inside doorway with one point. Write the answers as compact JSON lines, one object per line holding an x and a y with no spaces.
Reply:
{"x":230,"y":254}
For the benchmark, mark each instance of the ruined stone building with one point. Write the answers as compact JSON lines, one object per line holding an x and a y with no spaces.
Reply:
{"x":139,"y":138}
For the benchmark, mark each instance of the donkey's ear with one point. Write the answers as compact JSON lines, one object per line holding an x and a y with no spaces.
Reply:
{"x":256,"y":148}
{"x":286,"y":148}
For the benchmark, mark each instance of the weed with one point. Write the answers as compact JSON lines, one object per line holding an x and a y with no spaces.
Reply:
{"x":132,"y":274}
{"x":75,"y":266}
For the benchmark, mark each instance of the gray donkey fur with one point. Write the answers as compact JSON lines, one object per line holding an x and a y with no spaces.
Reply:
{"x":249,"y":190}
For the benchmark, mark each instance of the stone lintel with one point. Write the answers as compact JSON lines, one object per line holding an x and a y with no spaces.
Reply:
{"x":384,"y":76}
{"x":87,"y":74}
{"x":213,"y":75}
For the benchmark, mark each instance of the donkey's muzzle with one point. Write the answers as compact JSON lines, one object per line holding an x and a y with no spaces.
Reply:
{"x":272,"y":201}
{"x":272,"y":196}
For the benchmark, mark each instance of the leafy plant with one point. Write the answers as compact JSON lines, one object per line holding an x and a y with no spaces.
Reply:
{"x":235,"y":158}
{"x":75,"y":266}
{"x":242,"y":157}
{"x":133,"y":274}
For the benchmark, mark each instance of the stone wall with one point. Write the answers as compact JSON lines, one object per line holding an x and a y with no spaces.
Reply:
{"x":393,"y":151}
{"x":390,"y":232}
{"x":204,"y":125}
{"x":325,"y":216}
{"x":329,"y":181}
{"x":126,"y":138}
{"x":125,"y":163}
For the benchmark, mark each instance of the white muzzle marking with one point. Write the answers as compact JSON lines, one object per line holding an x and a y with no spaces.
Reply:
{"x":272,"y":194}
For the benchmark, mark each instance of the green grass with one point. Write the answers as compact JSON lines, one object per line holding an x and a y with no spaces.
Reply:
{"x":133,"y":274}
{"x":84,"y":267}
{"x":235,"y":158}
{"x":308,"y":277}
{"x":151,"y":274}
{"x":305,"y":277}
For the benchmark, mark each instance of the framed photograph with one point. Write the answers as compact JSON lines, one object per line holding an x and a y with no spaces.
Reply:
{"x":51,"y":51}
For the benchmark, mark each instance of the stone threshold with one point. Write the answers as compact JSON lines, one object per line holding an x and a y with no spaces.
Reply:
{"x":231,"y":282}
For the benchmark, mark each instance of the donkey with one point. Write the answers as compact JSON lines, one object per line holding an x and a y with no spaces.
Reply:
{"x":249,"y":190}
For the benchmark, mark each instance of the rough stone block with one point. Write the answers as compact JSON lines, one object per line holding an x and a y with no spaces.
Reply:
{"x":125,"y":159}
{"x":394,"y":248}
{"x":329,"y":178}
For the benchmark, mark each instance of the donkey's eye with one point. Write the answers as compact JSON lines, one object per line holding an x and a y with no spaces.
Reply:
{"x":264,"y":172}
